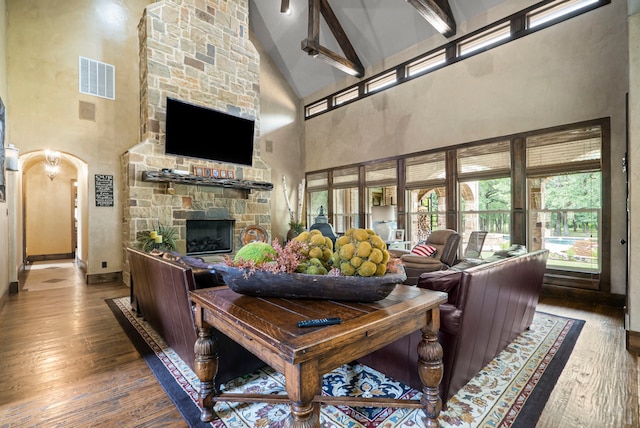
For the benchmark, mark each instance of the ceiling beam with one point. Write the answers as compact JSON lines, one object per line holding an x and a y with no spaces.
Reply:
{"x":349,"y":63}
{"x":438,"y":14}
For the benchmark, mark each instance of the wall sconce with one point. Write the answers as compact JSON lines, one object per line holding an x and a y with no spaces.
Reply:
{"x":11,"y":155}
{"x":52,"y":162}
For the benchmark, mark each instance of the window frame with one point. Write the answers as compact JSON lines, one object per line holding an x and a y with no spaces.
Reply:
{"x":519,"y":208}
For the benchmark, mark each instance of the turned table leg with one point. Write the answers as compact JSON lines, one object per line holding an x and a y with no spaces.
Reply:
{"x":303,"y":383}
{"x":206,"y":367}
{"x":430,"y":368}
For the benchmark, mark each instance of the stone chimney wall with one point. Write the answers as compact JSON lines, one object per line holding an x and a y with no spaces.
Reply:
{"x":197,"y":51}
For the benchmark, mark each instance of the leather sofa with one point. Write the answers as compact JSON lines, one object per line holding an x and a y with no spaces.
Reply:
{"x":160,"y":286}
{"x":489,"y":305}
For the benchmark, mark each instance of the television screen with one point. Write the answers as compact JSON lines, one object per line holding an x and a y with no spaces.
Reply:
{"x":204,"y":133}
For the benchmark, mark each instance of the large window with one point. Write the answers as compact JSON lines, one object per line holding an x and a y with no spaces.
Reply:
{"x":541,"y":189}
{"x":484,"y":174}
{"x":346,"y":209}
{"x":485,"y":205}
{"x":380,"y":182}
{"x":317,"y":196}
{"x":426,"y":199}
{"x":346,"y":195}
{"x":564,"y":188}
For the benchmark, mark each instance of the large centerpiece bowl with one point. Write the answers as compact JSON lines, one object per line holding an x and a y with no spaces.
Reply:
{"x":261,"y":283}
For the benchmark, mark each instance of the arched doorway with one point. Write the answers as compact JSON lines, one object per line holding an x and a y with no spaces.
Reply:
{"x":51,"y":209}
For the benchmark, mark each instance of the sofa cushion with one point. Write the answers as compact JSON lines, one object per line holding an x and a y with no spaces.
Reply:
{"x":424,"y":250}
{"x":422,"y":262}
{"x":512,"y":251}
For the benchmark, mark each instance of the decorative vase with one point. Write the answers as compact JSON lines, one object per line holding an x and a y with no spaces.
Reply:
{"x":260,"y":283}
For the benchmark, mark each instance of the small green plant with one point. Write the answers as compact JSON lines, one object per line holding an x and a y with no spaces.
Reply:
{"x":162,"y":238}
{"x":296,"y":226}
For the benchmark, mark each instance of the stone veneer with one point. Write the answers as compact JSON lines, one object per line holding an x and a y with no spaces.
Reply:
{"x":197,"y":51}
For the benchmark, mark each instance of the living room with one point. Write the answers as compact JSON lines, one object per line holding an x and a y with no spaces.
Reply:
{"x":579,"y":70}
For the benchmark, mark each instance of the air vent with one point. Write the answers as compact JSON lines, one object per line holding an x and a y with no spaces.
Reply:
{"x":97,"y":78}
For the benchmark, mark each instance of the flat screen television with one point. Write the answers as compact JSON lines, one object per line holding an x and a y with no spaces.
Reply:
{"x":204,"y":133}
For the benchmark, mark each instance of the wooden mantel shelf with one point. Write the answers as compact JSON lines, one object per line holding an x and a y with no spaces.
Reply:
{"x":194,"y":180}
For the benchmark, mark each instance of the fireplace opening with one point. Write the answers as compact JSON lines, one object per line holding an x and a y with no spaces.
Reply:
{"x":209,"y":236}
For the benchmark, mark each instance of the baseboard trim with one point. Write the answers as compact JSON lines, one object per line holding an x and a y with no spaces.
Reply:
{"x":48,"y":257}
{"x":617,"y":300}
{"x":14,"y":287}
{"x":4,"y":298}
{"x":101,"y":278}
{"x":633,"y":341}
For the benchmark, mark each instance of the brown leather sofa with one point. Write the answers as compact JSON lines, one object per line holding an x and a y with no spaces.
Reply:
{"x":160,"y":285}
{"x":489,"y":306}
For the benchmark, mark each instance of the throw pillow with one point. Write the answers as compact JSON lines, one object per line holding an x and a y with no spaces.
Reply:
{"x":424,"y":250}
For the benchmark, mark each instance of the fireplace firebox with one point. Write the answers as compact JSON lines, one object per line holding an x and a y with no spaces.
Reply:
{"x":209,"y":236}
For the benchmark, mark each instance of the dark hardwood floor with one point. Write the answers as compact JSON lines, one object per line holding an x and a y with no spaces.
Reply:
{"x":65,"y":361}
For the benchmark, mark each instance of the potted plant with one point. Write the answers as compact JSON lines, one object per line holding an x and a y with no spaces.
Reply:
{"x":162,"y":237}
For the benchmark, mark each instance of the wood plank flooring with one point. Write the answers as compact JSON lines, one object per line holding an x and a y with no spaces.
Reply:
{"x":65,"y":361}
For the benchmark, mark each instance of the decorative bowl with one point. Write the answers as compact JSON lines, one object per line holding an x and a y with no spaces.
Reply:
{"x":303,"y":286}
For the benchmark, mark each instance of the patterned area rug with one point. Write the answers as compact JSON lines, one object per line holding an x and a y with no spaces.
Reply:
{"x":510,"y":392}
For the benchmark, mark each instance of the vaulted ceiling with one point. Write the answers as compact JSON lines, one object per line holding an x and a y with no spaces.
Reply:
{"x":376,"y":29}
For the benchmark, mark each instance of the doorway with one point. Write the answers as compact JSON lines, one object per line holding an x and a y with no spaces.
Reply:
{"x":50,"y":207}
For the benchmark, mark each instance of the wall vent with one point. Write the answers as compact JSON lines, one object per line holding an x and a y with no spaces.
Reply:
{"x":97,"y":78}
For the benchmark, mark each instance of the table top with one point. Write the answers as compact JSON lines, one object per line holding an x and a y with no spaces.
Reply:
{"x":270,"y":324}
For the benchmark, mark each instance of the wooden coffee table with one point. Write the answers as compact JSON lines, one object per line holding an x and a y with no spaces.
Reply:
{"x":268,"y":328}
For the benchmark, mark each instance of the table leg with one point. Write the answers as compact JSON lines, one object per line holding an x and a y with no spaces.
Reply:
{"x":303,"y":384}
{"x":430,"y":368}
{"x":206,"y":367}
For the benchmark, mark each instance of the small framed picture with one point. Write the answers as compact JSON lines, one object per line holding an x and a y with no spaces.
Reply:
{"x":399,"y":235}
{"x":215,"y":173}
{"x":206,"y":172}
{"x":230,"y":174}
{"x":223,"y":173}
{"x":198,"y":171}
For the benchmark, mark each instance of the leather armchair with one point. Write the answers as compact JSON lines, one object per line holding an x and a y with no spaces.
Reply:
{"x":446,"y":243}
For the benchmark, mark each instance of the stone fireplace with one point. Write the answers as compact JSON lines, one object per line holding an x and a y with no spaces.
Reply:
{"x":200,"y":53}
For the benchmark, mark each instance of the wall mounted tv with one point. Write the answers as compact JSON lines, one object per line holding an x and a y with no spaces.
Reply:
{"x":204,"y":133}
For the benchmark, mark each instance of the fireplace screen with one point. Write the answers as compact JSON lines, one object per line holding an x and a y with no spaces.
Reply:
{"x":209,"y":236}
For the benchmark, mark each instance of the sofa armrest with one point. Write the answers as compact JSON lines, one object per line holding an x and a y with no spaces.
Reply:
{"x":444,"y":280}
{"x":450,"y":319}
{"x":397,"y":252}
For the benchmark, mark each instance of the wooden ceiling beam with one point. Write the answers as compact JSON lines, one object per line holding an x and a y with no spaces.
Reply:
{"x":349,"y":63}
{"x":438,"y":14}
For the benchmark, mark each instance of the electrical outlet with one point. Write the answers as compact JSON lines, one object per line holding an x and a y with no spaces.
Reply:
{"x":104,"y":264}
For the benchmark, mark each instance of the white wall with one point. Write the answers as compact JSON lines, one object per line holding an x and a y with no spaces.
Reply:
{"x":571,"y":72}
{"x":281,"y":136}
{"x":4,"y":208}
{"x":633,"y":300}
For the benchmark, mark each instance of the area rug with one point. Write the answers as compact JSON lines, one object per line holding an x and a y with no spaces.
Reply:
{"x":510,"y":392}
